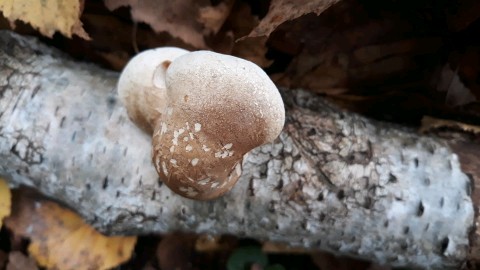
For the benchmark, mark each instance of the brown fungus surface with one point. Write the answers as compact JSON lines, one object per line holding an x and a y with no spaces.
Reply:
{"x":214,"y":110}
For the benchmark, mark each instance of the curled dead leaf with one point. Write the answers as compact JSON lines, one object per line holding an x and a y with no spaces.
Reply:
{"x":281,"y":11}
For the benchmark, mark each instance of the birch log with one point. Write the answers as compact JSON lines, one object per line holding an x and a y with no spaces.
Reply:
{"x":332,"y":181}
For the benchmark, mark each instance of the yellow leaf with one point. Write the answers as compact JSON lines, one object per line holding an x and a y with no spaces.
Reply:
{"x":48,"y":16}
{"x":60,"y":239}
{"x":5,"y":200}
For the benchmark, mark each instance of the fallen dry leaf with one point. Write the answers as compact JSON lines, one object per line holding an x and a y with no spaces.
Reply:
{"x":371,"y":53}
{"x":48,"y":16}
{"x":60,"y":239}
{"x":18,"y":261}
{"x":449,"y":81}
{"x":241,"y":22}
{"x":273,"y":247}
{"x":281,"y":11}
{"x":466,"y":63}
{"x":431,"y":123}
{"x":179,"y":18}
{"x":176,"y":251}
{"x":115,"y":40}
{"x":466,"y":13}
{"x":3,"y":259}
{"x":213,"y":17}
{"x":5,"y":201}
{"x":253,"y":49}
{"x":207,"y":243}
{"x":116,"y":59}
{"x":327,"y":261}
{"x":346,"y":51}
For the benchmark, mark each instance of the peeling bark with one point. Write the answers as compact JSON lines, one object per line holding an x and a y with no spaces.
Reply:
{"x":332,"y":180}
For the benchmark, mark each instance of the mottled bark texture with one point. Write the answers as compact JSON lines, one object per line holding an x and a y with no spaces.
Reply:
{"x":332,"y":180}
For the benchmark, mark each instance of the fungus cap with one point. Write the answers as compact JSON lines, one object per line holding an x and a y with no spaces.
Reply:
{"x":219,"y":108}
{"x":141,"y":85}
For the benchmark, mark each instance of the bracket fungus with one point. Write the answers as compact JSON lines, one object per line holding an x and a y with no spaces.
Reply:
{"x":205,"y":110}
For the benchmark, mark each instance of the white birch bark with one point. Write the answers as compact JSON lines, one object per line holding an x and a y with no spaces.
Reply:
{"x":332,"y":180}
